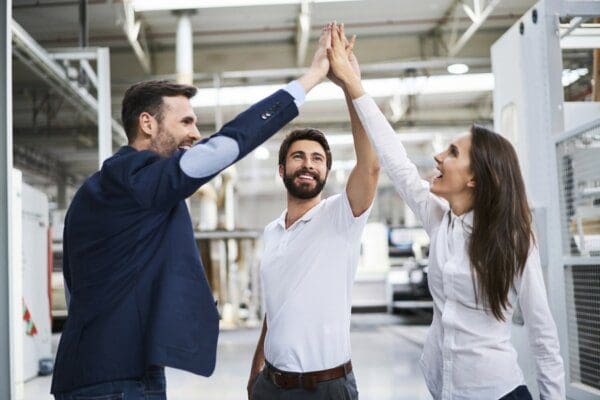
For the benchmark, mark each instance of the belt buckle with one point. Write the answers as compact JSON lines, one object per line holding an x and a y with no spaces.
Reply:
{"x":274,"y":378}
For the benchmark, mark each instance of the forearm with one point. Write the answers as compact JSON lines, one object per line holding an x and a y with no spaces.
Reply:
{"x":239,"y":136}
{"x":362,"y":183}
{"x":386,"y":146}
{"x":310,"y":79}
{"x":353,"y":86}
{"x":366,"y":158}
{"x":395,"y":162}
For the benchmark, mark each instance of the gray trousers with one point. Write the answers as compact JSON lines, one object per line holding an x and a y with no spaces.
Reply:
{"x":337,"y":389}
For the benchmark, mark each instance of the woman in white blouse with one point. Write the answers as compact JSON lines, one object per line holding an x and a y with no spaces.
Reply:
{"x":482,"y":260}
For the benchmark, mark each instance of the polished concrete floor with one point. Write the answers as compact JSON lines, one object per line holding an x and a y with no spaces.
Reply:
{"x":385,"y":354}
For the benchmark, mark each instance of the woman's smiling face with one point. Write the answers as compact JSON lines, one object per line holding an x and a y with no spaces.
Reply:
{"x":454,"y":177}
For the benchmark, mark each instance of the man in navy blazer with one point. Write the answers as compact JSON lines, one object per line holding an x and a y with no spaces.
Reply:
{"x":139,"y":298}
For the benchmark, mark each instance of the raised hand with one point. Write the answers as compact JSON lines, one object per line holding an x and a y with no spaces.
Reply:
{"x":343,"y":62}
{"x":349,"y":46}
{"x":320,"y":63}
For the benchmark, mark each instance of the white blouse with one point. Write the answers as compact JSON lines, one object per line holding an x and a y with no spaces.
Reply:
{"x":467,"y":354}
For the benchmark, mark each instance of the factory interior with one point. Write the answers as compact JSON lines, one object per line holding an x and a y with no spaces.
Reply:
{"x":527,"y":69}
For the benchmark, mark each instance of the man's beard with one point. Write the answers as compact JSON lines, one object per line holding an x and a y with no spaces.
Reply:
{"x":303,"y":190}
{"x":163,"y":143}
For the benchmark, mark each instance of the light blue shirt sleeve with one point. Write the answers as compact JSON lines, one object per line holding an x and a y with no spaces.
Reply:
{"x":297,"y":91}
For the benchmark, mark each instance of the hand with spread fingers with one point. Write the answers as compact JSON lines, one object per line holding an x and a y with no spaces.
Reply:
{"x":348,"y":46}
{"x":320,"y":60}
{"x":344,"y":65}
{"x":319,"y":66}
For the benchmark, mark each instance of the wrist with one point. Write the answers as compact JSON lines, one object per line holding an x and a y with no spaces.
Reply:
{"x":310,"y":79}
{"x":353,"y":87}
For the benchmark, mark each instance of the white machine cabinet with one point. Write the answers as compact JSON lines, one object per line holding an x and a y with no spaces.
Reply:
{"x":31,"y":324}
{"x":562,"y":174}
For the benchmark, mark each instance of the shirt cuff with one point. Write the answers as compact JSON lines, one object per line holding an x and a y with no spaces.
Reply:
{"x":365,"y":104}
{"x":297,"y":91}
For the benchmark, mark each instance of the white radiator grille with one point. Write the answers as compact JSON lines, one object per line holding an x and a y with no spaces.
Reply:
{"x":578,"y":158}
{"x":583,"y":307}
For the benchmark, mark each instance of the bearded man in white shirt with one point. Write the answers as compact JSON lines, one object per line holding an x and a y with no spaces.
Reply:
{"x":308,"y":268}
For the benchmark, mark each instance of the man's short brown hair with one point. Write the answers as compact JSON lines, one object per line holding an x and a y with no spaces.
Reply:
{"x":147,"y":96}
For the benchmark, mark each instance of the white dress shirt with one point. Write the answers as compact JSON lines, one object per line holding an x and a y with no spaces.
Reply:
{"x":467,"y":354}
{"x":307,"y":272}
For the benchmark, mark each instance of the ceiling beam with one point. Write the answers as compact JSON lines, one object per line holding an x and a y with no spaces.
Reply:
{"x":135,"y":31}
{"x":41,"y":163}
{"x":229,"y":78}
{"x":477,"y":13}
{"x":478,"y":17}
{"x":26,"y":49}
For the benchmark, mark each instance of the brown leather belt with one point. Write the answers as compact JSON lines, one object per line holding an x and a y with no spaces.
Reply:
{"x":307,"y":380}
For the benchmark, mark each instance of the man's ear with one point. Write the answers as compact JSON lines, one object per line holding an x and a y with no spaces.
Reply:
{"x":147,"y":124}
{"x":281,"y":170}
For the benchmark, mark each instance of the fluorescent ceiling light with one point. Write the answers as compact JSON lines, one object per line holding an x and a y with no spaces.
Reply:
{"x":458,"y":69}
{"x":162,"y":5}
{"x":262,"y":153}
{"x":441,"y":84}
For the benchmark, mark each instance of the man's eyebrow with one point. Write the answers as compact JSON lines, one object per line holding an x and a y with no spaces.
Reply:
{"x":187,"y":118}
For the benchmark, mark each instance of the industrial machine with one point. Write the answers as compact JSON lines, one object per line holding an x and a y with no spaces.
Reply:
{"x":407,"y":286}
{"x":31,"y":327}
{"x":558,"y":144}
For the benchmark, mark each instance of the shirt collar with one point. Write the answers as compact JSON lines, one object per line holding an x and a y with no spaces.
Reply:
{"x":465,"y":219}
{"x":307,"y":216}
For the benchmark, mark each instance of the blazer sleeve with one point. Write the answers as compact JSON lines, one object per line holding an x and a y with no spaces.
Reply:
{"x":157,"y":182}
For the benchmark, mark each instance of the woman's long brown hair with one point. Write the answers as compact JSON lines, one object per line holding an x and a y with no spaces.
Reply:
{"x":501,"y":234}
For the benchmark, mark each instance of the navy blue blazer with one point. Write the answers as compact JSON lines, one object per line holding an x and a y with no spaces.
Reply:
{"x":139,"y":294}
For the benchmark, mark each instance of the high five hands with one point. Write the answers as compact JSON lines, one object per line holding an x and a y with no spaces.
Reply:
{"x":344,"y":68}
{"x":334,"y":58}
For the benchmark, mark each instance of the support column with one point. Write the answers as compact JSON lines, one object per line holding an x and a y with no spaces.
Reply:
{"x":83,"y":37}
{"x":184,"y":48}
{"x":218,"y":108}
{"x":83,"y":24}
{"x":596,"y":71}
{"x":104,"y":110}
{"x":7,"y":384}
